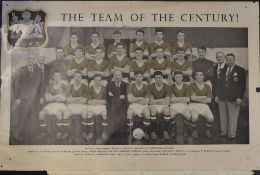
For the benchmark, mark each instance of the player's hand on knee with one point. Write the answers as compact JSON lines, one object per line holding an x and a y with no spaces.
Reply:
{"x":238,"y":101}
{"x":216,"y":99}
{"x":110,"y":94}
{"x":122,"y":97}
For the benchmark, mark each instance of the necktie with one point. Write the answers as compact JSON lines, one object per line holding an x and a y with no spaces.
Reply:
{"x":228,"y":73}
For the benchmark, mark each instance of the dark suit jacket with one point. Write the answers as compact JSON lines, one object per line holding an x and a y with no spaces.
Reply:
{"x":29,"y":86}
{"x":115,"y":101}
{"x":216,"y":77}
{"x":46,"y":75}
{"x":232,"y":87}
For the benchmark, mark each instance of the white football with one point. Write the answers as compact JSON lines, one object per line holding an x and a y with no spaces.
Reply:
{"x":138,"y":133}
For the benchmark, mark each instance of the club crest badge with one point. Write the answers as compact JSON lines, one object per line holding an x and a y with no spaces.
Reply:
{"x":27,"y":28}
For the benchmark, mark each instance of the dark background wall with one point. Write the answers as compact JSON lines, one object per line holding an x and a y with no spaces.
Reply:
{"x":209,"y":37}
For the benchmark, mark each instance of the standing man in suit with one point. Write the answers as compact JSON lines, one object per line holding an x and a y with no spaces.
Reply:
{"x":29,"y":93}
{"x":45,"y":69}
{"x":229,"y":94}
{"x":117,"y":106}
{"x":220,"y":70}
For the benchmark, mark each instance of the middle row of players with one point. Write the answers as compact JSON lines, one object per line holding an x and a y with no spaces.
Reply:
{"x":128,"y":68}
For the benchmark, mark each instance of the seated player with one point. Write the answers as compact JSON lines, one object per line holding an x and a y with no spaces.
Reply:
{"x":180,"y":97}
{"x":160,"y":64}
{"x":97,"y":107}
{"x":76,"y":106}
{"x":69,"y":50}
{"x":120,"y":62}
{"x":159,"y":42}
{"x":55,"y":98}
{"x":78,"y":64}
{"x":159,"y":106}
{"x":90,"y":49}
{"x":183,"y":65}
{"x":181,"y":44}
{"x":138,"y":97}
{"x":99,"y":66}
{"x":139,"y":43}
{"x":111,"y":50}
{"x":139,"y":65}
{"x":201,"y":96}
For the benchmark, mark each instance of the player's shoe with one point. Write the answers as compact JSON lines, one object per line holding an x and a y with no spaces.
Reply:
{"x":208,"y":134}
{"x":179,"y":140}
{"x":65,"y":135}
{"x":58,"y":136}
{"x":195,"y":134}
{"x":166,"y":135}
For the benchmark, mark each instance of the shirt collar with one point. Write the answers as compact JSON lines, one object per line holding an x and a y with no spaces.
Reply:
{"x":221,"y":66}
{"x":231,"y":68}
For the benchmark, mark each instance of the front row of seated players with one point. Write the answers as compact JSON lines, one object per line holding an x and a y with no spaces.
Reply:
{"x":156,"y":108}
{"x":73,"y":108}
{"x":76,"y":107}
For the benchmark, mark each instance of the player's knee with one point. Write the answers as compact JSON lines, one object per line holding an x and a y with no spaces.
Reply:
{"x":90,"y":114}
{"x":187,"y":114}
{"x":173,"y":112}
{"x":130,"y":113}
{"x":153,"y":111}
{"x":194,"y":116}
{"x":42,"y":115}
{"x":84,"y":114}
{"x":67,"y":114}
{"x":166,"y":111}
{"x":146,"y":113}
{"x":209,"y":116}
{"x":59,"y":116}
{"x":104,"y":115}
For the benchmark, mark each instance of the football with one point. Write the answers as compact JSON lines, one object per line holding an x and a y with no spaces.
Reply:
{"x":138,"y":134}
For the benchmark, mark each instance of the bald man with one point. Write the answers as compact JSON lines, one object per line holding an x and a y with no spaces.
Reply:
{"x":117,"y":105}
{"x":45,"y":69}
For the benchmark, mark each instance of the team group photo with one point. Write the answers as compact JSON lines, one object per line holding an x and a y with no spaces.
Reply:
{"x":131,"y":86}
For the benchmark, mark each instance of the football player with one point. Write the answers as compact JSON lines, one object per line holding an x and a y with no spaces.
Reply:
{"x":139,"y":65}
{"x":201,"y":95}
{"x":97,"y":106}
{"x":112,"y":48}
{"x":181,"y":44}
{"x":159,"y":42}
{"x":159,"y":106}
{"x":99,"y":66}
{"x":138,"y":114}
{"x":139,"y":43}
{"x":160,"y":64}
{"x":55,"y":98}
{"x":183,"y":65}
{"x":120,"y":62}
{"x":90,"y":49}
{"x":69,"y":50}
{"x":79,"y":63}
{"x":180,"y":97}
{"x":76,"y":106}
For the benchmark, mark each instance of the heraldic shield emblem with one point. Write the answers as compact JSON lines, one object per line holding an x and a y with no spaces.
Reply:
{"x":27,"y":28}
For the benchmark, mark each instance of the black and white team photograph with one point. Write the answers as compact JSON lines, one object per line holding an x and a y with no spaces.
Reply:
{"x":131,"y":86}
